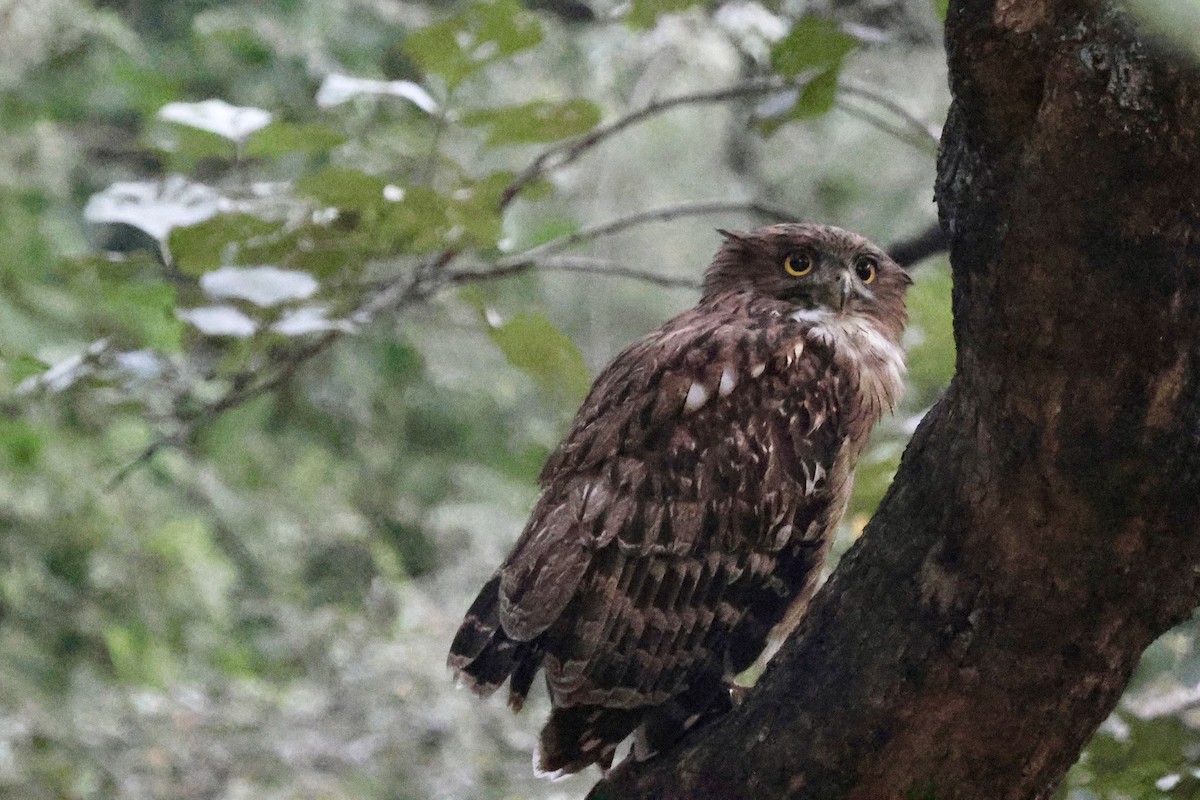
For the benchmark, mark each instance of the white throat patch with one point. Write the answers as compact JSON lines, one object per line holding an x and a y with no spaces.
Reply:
{"x":877,"y":360}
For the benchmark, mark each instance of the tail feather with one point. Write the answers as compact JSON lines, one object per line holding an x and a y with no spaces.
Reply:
{"x":480,"y":625}
{"x":528,"y":664}
{"x":574,"y":737}
{"x":484,"y":656}
{"x":578,"y":736}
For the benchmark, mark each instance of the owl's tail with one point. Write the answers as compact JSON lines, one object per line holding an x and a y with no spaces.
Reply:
{"x":483,"y":655}
{"x":579,"y":736}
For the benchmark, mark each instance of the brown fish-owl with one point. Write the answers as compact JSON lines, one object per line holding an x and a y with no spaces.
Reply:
{"x":686,"y":514}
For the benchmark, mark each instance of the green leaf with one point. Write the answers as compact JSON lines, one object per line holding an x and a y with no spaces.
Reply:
{"x":230,"y":434}
{"x":814,"y":100}
{"x":20,"y":444}
{"x":539,"y":121}
{"x":480,"y":34}
{"x":187,"y":144}
{"x":336,"y":251}
{"x":475,"y":208}
{"x":532,"y":344}
{"x":645,"y":13}
{"x":22,"y":366}
{"x":142,"y":87}
{"x":812,"y":43}
{"x":941,"y":7}
{"x":145,"y":311}
{"x":537,"y":189}
{"x":199,"y":248}
{"x":419,"y":222}
{"x":280,"y":138}
{"x":343,"y":188}
{"x":244,"y":44}
{"x":425,"y":220}
{"x":817,"y":96}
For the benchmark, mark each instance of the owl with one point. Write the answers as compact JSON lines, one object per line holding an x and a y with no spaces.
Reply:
{"x":684,"y":519}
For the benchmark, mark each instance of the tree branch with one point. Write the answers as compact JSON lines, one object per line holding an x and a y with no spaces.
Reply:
{"x":930,"y":134}
{"x":392,"y":296}
{"x":906,"y":253}
{"x":576,"y":264}
{"x":883,"y":124}
{"x":919,"y":134}
{"x":915,"y":249}
{"x":566,"y":152}
{"x":666,"y":214}
{"x":190,"y":422}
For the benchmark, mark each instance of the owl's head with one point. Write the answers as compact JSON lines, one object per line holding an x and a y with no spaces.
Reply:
{"x":811,"y":267}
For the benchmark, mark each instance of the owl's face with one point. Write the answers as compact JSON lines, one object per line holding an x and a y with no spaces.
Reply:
{"x":811,"y":267}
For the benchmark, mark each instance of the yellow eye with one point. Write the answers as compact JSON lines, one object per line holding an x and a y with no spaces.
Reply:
{"x":798,"y":264}
{"x":866,"y":269}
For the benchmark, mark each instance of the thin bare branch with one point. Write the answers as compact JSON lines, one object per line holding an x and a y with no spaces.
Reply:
{"x":664,"y":214}
{"x":911,"y":251}
{"x":391,"y":296}
{"x":144,"y":457}
{"x":284,"y":370}
{"x":882,"y":123}
{"x":907,"y":252}
{"x":566,"y":152}
{"x":576,"y":264}
{"x":921,"y":129}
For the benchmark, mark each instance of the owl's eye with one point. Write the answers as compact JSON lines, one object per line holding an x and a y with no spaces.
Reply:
{"x":866,"y":268}
{"x":798,"y":264}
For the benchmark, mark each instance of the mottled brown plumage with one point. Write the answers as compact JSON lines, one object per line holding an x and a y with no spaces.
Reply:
{"x":687,"y":512}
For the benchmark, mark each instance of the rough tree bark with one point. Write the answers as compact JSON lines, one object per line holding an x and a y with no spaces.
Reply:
{"x":1042,"y":529}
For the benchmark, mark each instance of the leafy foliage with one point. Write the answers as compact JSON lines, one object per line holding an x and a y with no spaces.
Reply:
{"x":530,"y":123}
{"x":481,"y":33}
{"x":811,"y":44}
{"x":644,"y":13}
{"x":816,"y":48}
{"x":533,"y":345}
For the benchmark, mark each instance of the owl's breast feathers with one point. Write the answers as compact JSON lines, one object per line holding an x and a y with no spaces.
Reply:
{"x":690,"y":505}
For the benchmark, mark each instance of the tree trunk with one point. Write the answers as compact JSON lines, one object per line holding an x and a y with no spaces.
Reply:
{"x":1042,"y":528}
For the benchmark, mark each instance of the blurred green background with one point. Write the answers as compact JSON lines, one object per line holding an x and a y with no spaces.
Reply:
{"x":264,"y":429}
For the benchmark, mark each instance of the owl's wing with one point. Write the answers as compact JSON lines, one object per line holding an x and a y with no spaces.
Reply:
{"x":669,"y":505}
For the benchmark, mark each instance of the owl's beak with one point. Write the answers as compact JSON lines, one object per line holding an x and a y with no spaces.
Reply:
{"x":845,"y":287}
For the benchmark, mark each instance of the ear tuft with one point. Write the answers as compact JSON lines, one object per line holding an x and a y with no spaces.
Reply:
{"x":733,"y":236}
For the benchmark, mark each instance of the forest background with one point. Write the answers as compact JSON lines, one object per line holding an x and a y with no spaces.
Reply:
{"x":296,"y":297}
